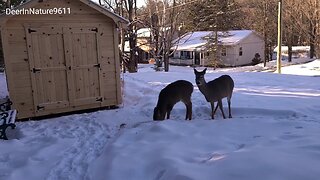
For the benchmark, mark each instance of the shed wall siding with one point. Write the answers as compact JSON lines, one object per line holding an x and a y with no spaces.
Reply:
{"x":17,"y":60}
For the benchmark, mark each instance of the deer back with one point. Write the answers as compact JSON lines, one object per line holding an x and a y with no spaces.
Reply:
{"x":175,"y":92}
{"x":180,"y":90}
{"x":220,"y":87}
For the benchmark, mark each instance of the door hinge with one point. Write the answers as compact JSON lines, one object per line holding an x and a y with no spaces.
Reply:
{"x":94,"y":29}
{"x":40,"y":107}
{"x":31,"y":30}
{"x":99,"y":99}
{"x":97,"y":65}
{"x":34,"y":70}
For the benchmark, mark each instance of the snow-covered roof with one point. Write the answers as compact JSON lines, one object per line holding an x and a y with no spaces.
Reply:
{"x":197,"y":39}
{"x":144,"y":32}
{"x":294,"y":48}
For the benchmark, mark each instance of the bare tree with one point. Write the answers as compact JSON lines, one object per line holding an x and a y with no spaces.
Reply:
{"x":128,"y":9}
{"x":303,"y":23}
{"x":161,"y":17}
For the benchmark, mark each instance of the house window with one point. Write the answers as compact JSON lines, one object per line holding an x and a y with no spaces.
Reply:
{"x":224,"y":51}
{"x":240,"y":51}
{"x":186,"y":55}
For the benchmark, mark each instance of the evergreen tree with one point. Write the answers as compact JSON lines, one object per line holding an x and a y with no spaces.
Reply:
{"x":213,"y":15}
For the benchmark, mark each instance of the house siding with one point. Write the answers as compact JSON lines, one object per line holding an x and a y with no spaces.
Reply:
{"x":250,"y":46}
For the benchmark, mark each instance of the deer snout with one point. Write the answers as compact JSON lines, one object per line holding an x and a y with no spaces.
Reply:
{"x":198,"y":82}
{"x":157,"y":115}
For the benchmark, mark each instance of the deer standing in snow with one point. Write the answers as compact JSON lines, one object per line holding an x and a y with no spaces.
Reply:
{"x":180,"y":90}
{"x":215,"y":90}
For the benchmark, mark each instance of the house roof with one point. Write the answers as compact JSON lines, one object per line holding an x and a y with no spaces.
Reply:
{"x":144,"y":32}
{"x":31,"y":3}
{"x":197,"y":39}
{"x":141,"y":43}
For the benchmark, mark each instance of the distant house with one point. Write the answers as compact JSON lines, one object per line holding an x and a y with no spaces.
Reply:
{"x":143,"y":45}
{"x":145,"y":48}
{"x":297,"y":52}
{"x":235,"y":48}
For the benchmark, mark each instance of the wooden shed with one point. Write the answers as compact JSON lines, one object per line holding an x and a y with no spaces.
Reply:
{"x":61,"y":62}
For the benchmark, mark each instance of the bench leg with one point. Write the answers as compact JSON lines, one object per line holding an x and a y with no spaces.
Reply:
{"x":3,"y":129}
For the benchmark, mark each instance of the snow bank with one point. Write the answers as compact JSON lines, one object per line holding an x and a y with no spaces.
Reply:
{"x":308,"y":69}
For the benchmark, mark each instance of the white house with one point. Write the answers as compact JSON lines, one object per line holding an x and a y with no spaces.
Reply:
{"x":235,"y":48}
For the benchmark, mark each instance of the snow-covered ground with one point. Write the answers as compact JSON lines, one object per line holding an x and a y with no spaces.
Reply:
{"x":273,"y":135}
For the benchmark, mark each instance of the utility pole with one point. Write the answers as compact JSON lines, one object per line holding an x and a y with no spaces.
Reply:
{"x":279,"y":53}
{"x":265,"y":33}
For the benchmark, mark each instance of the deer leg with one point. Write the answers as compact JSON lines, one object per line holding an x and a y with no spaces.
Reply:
{"x":221,"y":108}
{"x":188,"y":104}
{"x":212,"y":110}
{"x":169,"y":108}
{"x":189,"y":111}
{"x":229,"y":106}
{"x":215,"y":110}
{"x":168,"y":114}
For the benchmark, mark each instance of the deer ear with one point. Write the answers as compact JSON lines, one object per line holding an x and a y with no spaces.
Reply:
{"x":204,"y":70}
{"x":194,"y":70}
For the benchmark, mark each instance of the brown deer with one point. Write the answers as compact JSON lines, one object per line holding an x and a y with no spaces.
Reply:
{"x":180,"y":90}
{"x":215,"y":90}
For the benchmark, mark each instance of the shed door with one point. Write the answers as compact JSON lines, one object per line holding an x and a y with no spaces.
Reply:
{"x":64,"y":67}
{"x":48,"y":68}
{"x":82,"y":53}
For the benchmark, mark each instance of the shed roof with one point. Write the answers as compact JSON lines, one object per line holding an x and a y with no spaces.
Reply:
{"x":31,"y":3}
{"x":197,"y":39}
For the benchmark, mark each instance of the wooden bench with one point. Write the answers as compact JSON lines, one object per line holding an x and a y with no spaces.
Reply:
{"x":7,"y":118}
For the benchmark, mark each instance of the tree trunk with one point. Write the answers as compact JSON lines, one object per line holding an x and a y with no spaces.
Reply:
{"x":312,"y":39}
{"x":265,"y":34}
{"x":289,"y":50}
{"x":166,"y":62}
{"x":165,"y":55}
{"x":132,"y":65}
